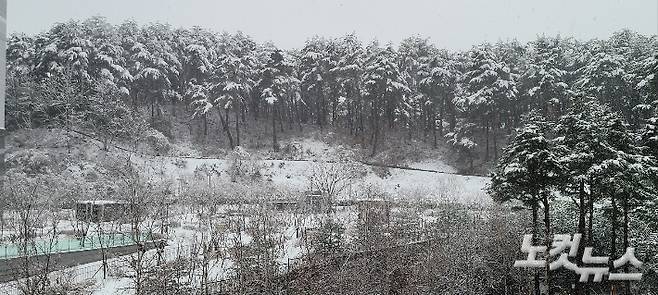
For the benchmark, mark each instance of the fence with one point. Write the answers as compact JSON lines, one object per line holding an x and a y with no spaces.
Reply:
{"x":75,"y":275}
{"x":13,"y":250}
{"x":93,"y":271}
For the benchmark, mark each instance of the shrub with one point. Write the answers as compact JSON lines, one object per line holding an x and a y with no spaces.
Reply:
{"x":158,"y":143}
{"x":243,"y":165}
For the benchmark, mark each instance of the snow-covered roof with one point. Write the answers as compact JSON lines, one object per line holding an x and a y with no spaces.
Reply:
{"x":100,"y":202}
{"x":372,"y":200}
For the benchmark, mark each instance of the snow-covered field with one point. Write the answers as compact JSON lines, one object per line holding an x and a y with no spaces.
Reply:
{"x":399,"y":183}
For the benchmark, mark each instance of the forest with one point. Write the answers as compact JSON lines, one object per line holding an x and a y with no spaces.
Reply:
{"x":473,"y":100}
{"x":566,"y":129}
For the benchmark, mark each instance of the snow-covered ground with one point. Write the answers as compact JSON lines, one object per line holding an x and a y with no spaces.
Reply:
{"x":290,"y":174}
{"x":399,"y":183}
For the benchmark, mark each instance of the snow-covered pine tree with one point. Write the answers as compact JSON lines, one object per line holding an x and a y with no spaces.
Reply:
{"x":313,"y":69}
{"x":347,"y":72}
{"x":437,"y":86}
{"x":237,"y":64}
{"x":604,"y":77}
{"x":20,"y":55}
{"x":277,"y":84}
{"x":384,"y":88}
{"x":490,"y":89}
{"x":627,"y":178}
{"x":107,"y":62}
{"x":415,"y":53}
{"x":544,"y":80}
{"x":529,"y":171}
{"x":580,"y":144}
{"x":462,"y":139}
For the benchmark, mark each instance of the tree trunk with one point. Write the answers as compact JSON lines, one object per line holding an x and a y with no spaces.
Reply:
{"x":486,"y":136}
{"x":152,"y":109}
{"x":627,"y":284}
{"x":319,"y":107}
{"x":535,"y":231}
{"x":613,"y":236}
{"x":173,"y":105}
{"x":452,"y":119}
{"x":238,"y":109}
{"x":295,"y":109}
{"x":334,"y":108}
{"x":375,"y":130}
{"x":581,"y":207}
{"x":590,"y":219}
{"x":281,"y":119}
{"x":226,"y":127}
{"x":433,"y":126}
{"x":547,"y":240}
{"x":442,"y":113}
{"x":590,"y":216}
{"x":205,"y":127}
{"x":581,"y":228}
{"x":275,"y":145}
{"x":494,"y":128}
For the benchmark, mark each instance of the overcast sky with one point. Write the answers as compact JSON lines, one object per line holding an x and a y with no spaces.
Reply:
{"x":453,"y":24}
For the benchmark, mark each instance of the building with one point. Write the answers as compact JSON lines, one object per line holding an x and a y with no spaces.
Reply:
{"x":100,"y":210}
{"x":284,"y":205}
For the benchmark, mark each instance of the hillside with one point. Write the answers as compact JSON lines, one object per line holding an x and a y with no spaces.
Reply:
{"x":289,"y":169}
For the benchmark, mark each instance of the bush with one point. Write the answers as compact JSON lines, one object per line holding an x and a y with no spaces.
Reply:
{"x":243,"y":165}
{"x":158,"y":143}
{"x":30,"y":161}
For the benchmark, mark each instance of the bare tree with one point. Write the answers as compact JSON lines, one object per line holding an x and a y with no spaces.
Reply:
{"x":32,"y":206}
{"x":333,"y":178}
{"x":138,"y":195}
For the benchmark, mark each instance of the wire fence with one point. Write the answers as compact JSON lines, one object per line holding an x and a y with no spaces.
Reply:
{"x":74,"y":275}
{"x":92,"y":273}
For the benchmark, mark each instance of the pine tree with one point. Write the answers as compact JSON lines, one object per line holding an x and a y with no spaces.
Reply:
{"x":20,"y":55}
{"x":348,"y":70}
{"x":581,"y":145}
{"x":490,"y":89}
{"x":277,"y":84}
{"x":383,"y":88}
{"x":605,"y":77}
{"x":462,"y":139}
{"x":626,"y":177}
{"x":544,"y":81}
{"x":238,"y":65}
{"x":314,"y":69}
{"x":437,"y":85}
{"x":528,"y":171}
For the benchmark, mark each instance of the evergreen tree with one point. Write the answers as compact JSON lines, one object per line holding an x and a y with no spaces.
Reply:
{"x":528,"y":171}
{"x":544,"y":81}
{"x":383,"y":88}
{"x":490,"y":89}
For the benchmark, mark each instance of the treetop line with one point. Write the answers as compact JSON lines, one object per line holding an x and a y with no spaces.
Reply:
{"x":472,"y":100}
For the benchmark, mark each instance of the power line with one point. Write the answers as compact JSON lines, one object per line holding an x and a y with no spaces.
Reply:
{"x":373,"y":164}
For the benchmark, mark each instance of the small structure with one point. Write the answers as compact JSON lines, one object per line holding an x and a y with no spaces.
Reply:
{"x":344,"y":203}
{"x":284,"y":205}
{"x":100,"y":210}
{"x":317,"y":202}
{"x":374,"y":211}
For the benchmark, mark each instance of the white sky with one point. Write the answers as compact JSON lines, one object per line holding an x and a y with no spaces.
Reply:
{"x":453,"y":24}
